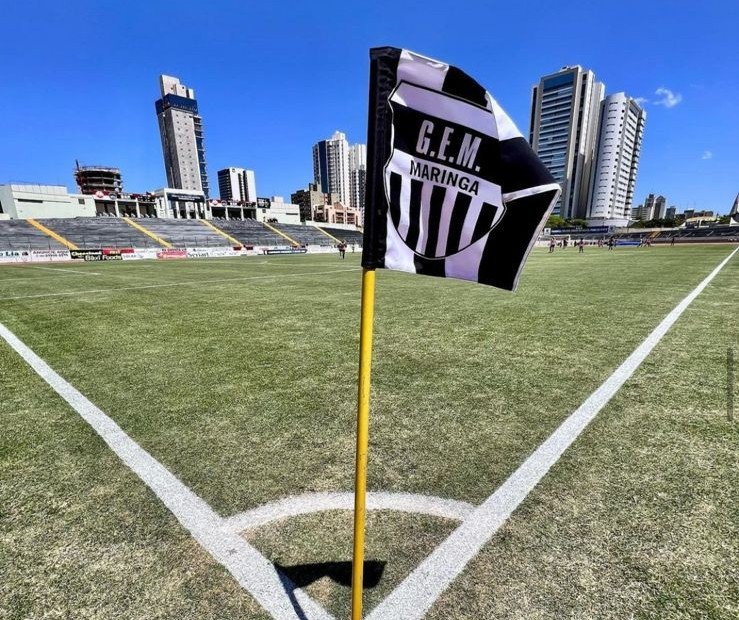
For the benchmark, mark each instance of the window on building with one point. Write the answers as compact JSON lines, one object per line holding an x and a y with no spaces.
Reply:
{"x":81,"y":201}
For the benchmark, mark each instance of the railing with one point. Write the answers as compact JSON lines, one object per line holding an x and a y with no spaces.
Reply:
{"x":25,"y":243}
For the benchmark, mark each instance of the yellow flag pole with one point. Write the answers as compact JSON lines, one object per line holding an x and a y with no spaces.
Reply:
{"x":363,"y":405}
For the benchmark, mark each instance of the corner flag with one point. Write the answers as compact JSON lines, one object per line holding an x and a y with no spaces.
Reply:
{"x":453,"y":188}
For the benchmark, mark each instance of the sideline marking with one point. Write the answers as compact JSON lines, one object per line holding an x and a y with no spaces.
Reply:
{"x":252,"y":570}
{"x":84,"y":273}
{"x":419,"y":590}
{"x":38,"y":278}
{"x":188,"y":283}
{"x":318,"y":502}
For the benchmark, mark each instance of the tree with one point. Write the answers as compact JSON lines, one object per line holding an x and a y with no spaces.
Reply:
{"x":555,"y":221}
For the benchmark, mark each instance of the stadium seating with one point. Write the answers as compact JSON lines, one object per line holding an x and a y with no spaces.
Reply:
{"x":251,"y":232}
{"x":705,"y":234}
{"x":20,"y":235}
{"x":96,"y":232}
{"x":182,"y":233}
{"x":305,"y":235}
{"x":350,"y":236}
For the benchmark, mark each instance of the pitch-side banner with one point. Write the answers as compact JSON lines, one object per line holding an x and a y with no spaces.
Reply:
{"x":453,"y":188}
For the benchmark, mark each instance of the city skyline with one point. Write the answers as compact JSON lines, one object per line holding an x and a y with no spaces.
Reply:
{"x":89,"y":113}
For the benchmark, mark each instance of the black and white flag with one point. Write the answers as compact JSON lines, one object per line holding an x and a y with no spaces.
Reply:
{"x":453,"y":188}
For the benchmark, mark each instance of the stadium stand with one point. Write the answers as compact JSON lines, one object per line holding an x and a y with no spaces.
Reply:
{"x":350,"y":236}
{"x":20,"y":235}
{"x":182,"y":233}
{"x":305,"y":235}
{"x":96,"y":232}
{"x":250,"y":232}
{"x":708,"y":234}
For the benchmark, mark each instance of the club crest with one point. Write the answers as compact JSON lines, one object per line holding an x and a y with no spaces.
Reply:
{"x":440,"y":177}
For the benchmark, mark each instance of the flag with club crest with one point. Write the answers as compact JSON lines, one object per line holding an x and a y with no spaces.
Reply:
{"x":453,"y":188}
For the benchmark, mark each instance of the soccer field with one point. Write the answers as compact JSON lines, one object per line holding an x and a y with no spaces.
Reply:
{"x":239,"y":376}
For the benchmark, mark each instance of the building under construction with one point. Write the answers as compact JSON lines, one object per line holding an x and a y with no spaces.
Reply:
{"x":94,"y":179}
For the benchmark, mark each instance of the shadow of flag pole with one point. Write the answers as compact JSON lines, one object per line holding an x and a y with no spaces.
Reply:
{"x":363,"y":406}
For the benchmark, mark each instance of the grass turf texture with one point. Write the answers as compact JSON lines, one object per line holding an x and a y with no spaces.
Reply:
{"x":241,"y":378}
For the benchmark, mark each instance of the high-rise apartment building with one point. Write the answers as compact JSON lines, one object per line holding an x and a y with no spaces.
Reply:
{"x":357,"y":176}
{"x":237,"y":185}
{"x":617,"y":161}
{"x":331,"y":166}
{"x":565,"y":108}
{"x":333,"y":162}
{"x":646,"y":212}
{"x":660,"y":208}
{"x":181,"y":129}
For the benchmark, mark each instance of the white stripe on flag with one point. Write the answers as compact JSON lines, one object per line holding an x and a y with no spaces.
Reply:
{"x":465,"y":265}
{"x":425,"y":212}
{"x":418,"y":69}
{"x":446,"y":107}
{"x":507,"y":129}
{"x":446,"y":216}
{"x":473,"y":213}
{"x":405,"y":199}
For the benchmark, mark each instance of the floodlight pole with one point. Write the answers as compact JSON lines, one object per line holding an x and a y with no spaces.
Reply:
{"x":363,"y":407}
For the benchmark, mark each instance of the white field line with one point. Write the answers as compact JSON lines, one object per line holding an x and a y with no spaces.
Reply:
{"x":84,"y":273}
{"x":38,"y":278}
{"x":318,"y":502}
{"x":249,"y":567}
{"x":171,"y":284}
{"x":420,"y":589}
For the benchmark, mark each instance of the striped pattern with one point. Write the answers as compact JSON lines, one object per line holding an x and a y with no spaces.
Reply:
{"x":434,"y":206}
{"x":440,"y":224}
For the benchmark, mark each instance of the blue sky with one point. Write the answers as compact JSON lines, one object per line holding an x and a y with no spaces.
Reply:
{"x":78,"y":79}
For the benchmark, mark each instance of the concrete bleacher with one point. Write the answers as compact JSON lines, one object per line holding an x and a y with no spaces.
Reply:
{"x":707,"y":234}
{"x":20,"y":235}
{"x":349,"y":236}
{"x":305,"y":235}
{"x":250,"y":232}
{"x":97,"y":232}
{"x":182,"y":233}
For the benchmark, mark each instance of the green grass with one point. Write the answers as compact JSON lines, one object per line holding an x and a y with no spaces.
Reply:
{"x":241,"y":379}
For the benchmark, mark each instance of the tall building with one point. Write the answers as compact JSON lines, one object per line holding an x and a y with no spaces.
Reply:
{"x":646,"y":212}
{"x":617,"y":161}
{"x":237,"y":185}
{"x":331,"y":166}
{"x":181,"y":129}
{"x":660,"y":208}
{"x":564,"y":124}
{"x":671,"y":213}
{"x":357,"y":176}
